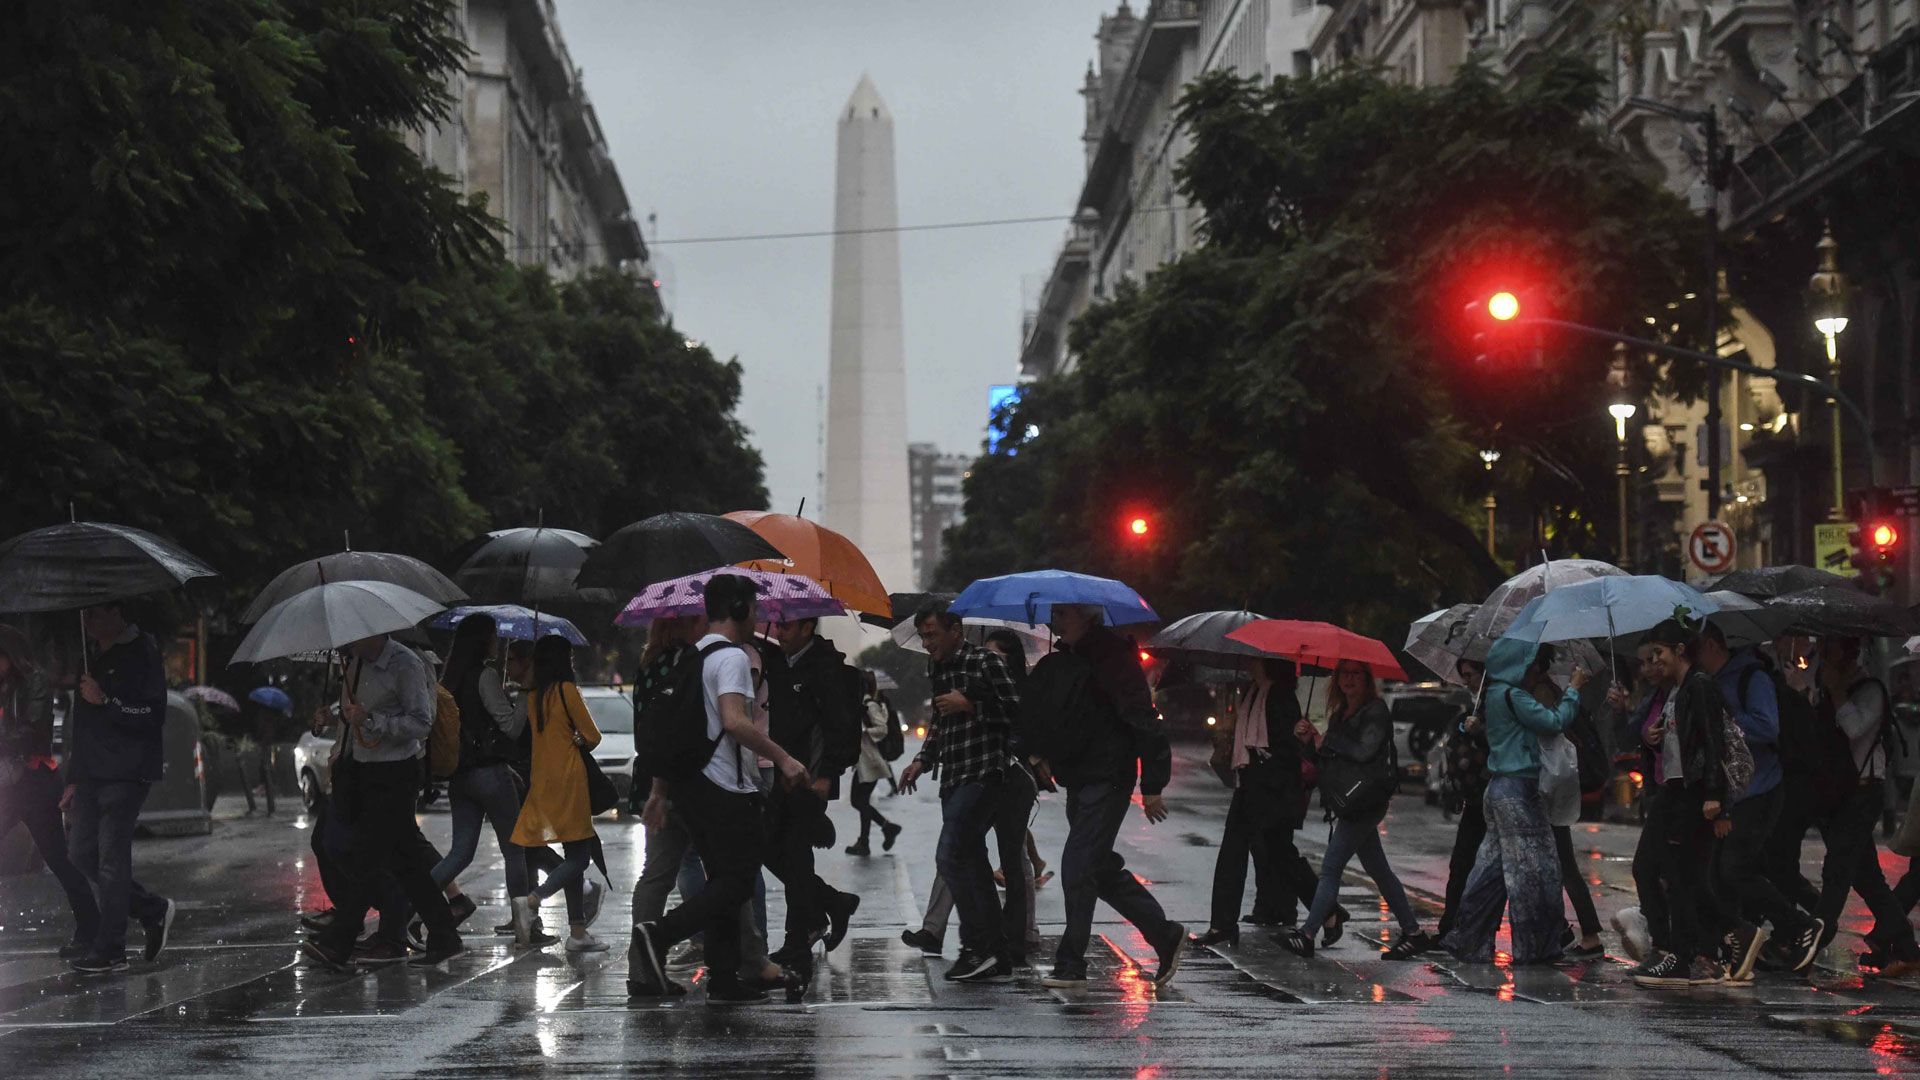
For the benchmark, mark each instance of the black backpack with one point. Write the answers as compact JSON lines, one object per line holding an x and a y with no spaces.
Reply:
{"x":1596,"y":768}
{"x":894,"y":743}
{"x":672,"y":723}
{"x":1814,"y":752}
{"x":1060,"y":714}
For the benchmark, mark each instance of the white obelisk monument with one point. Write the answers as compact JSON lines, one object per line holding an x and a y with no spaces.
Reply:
{"x":866,"y":483}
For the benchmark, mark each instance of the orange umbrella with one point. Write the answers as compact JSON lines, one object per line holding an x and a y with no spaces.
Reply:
{"x":821,"y":554}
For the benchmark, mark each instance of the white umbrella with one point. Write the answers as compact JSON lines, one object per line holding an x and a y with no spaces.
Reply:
{"x":1503,"y":604}
{"x":1038,"y":640}
{"x":328,"y":616}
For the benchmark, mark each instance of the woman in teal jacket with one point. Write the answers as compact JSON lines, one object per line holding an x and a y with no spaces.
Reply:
{"x":1518,"y":868}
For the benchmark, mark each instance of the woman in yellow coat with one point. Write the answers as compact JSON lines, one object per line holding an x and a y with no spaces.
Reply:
{"x":556,"y":808}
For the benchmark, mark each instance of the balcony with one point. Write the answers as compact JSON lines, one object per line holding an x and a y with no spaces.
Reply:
{"x":1061,"y":301}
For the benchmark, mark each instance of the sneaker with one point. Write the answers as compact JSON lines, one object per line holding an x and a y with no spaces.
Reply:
{"x":735,"y":993}
{"x":591,"y":896}
{"x":1216,"y":936}
{"x":888,"y":834}
{"x":1169,"y":954}
{"x":462,"y":908}
{"x":1635,"y":937}
{"x":1798,"y":951}
{"x":76,"y":948}
{"x":1000,"y":970}
{"x":691,"y":955}
{"x":378,"y":950}
{"x":840,"y":911}
{"x":584,"y":942}
{"x":1063,"y":977}
{"x":1331,"y":935}
{"x":1663,"y":969}
{"x":1577,"y":951}
{"x":649,"y":978}
{"x":859,"y":849}
{"x":1743,"y":944}
{"x":971,"y":965}
{"x":315,"y":950}
{"x":505,"y":929}
{"x":1260,"y":918}
{"x":439,"y":952}
{"x":320,"y":920}
{"x":1295,"y":942}
{"x":1705,"y":972}
{"x":100,"y":965}
{"x":158,"y":930}
{"x":1411,"y":946}
{"x":925,"y":942}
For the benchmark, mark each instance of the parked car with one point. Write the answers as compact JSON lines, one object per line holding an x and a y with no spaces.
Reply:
{"x":311,"y":756}
{"x":612,"y":713}
{"x":1421,"y":713}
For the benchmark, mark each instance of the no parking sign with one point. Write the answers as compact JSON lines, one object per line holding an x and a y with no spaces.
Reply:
{"x":1711,"y":547}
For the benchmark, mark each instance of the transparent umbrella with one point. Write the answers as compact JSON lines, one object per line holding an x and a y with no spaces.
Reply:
{"x":1503,"y":604}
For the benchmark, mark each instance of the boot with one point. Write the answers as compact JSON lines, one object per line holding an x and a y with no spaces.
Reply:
{"x":527,"y":932}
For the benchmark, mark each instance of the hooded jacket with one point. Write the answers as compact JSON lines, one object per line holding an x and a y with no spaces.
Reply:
{"x":1745,"y":676}
{"x":1515,"y":718}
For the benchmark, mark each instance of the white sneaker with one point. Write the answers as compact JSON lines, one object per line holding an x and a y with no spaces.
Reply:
{"x":1634,"y":934}
{"x":585,"y":943}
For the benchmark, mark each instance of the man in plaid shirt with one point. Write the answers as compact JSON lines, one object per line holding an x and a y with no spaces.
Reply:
{"x":974,"y":699}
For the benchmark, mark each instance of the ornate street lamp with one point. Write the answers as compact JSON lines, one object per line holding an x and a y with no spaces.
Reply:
{"x":1621,"y":410}
{"x":1827,"y":300}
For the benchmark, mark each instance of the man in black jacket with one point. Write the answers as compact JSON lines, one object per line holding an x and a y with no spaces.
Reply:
{"x":113,"y":757}
{"x":1123,"y":737}
{"x":815,"y":716}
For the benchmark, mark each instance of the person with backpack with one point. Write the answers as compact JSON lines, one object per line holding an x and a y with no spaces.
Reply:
{"x":1465,"y":789}
{"x":1739,"y":884}
{"x":1517,"y":870}
{"x":1853,"y":702}
{"x":1686,"y":751}
{"x":880,"y":722}
{"x":557,"y":809}
{"x":707,"y":762}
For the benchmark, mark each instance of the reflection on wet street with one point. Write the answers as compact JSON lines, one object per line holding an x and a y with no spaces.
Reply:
{"x":229,"y":998}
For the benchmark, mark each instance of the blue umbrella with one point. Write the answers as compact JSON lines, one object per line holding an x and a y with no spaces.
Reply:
{"x":515,"y":622}
{"x":1029,"y":598}
{"x":272,"y":697}
{"x":1607,"y":607}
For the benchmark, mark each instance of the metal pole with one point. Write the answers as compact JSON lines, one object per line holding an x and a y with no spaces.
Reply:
{"x":1839,"y":458}
{"x":1490,"y":503}
{"x":1620,"y":471}
{"x":1711,"y":123}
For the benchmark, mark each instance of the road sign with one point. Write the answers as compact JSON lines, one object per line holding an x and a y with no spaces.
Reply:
{"x":1711,"y":547}
{"x":1832,"y":548}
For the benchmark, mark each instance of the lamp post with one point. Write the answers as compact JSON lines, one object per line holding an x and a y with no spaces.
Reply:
{"x":1488,"y":457}
{"x":1827,"y":291}
{"x":1622,"y":411}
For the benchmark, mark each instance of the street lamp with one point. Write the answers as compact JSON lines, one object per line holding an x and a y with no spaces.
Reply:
{"x":1622,"y":411}
{"x":1488,"y":457}
{"x":1827,"y":292}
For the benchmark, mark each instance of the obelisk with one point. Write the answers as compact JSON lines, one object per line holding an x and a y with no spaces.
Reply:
{"x":866,"y":482}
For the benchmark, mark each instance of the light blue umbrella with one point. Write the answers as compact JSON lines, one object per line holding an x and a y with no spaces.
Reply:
{"x":1029,"y":598}
{"x":1607,"y":607}
{"x":515,"y":622}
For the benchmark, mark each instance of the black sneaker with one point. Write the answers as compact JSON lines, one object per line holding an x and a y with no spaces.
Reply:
{"x":1577,"y":951}
{"x":1664,"y":969}
{"x":157,"y":931}
{"x":1798,"y":951}
{"x":1261,"y":918}
{"x":100,"y":965}
{"x":970,"y":964}
{"x":1169,"y":954}
{"x":1217,"y":936}
{"x":320,"y":920}
{"x":999,"y":970}
{"x":1295,"y":942}
{"x":840,"y":911}
{"x":462,"y":908}
{"x":440,"y":951}
{"x":504,"y":929}
{"x":649,"y":979}
{"x":859,"y":849}
{"x":735,"y":992}
{"x":76,"y":948}
{"x":925,"y":942}
{"x":1331,"y":935}
{"x":888,"y":834}
{"x":379,"y":950}
{"x":320,"y":953}
{"x":1063,"y":977}
{"x":1743,"y":944}
{"x":1410,"y":946}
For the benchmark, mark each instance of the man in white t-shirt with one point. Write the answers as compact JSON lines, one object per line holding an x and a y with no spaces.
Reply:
{"x":722,"y":808}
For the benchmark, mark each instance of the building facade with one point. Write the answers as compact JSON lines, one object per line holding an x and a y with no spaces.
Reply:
{"x":934,"y":481}
{"x":525,"y":134}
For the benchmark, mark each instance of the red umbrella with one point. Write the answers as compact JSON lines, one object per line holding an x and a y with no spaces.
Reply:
{"x":1318,"y":644}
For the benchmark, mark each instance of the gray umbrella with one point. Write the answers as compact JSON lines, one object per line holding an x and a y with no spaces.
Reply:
{"x":326,"y":617}
{"x":1203,"y":638}
{"x":1767,"y":582}
{"x":402,"y":570}
{"x":1845,"y":612}
{"x":82,"y":563}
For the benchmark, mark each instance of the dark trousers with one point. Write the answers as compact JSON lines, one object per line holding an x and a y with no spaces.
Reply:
{"x":862,"y":800}
{"x":1466,"y":848}
{"x":793,"y":819}
{"x":1780,"y":855}
{"x":1670,"y":869}
{"x":1573,"y":879}
{"x":728,"y":830}
{"x":967,"y":811}
{"x":34,"y":801}
{"x":1743,"y":892}
{"x":1091,"y":870}
{"x":103,"y":817}
{"x":332,"y":844}
{"x":1282,"y":878}
{"x":1853,"y":864}
{"x":570,"y":875}
{"x":375,"y":799}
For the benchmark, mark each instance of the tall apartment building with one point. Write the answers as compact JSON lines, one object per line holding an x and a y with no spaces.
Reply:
{"x":525,"y":133}
{"x":933,"y":482}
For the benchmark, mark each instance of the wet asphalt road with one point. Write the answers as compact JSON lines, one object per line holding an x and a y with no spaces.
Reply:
{"x":229,"y":998}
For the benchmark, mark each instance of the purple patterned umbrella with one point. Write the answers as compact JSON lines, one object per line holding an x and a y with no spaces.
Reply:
{"x":782,"y":598}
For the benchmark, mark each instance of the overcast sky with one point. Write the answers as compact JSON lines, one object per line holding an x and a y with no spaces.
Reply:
{"x":720,"y":115}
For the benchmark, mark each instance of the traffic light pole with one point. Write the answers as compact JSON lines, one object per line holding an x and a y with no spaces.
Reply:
{"x":1714,"y":361}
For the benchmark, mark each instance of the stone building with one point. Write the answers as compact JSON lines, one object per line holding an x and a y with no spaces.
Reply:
{"x":934,"y":481}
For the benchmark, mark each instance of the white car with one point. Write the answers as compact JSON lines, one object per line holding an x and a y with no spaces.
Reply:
{"x":612,"y":711}
{"x":312,"y":756}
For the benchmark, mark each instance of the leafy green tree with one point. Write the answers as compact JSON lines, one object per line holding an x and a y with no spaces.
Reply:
{"x":1291,"y":402}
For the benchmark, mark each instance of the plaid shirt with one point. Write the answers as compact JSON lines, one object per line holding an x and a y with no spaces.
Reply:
{"x":967,"y":747}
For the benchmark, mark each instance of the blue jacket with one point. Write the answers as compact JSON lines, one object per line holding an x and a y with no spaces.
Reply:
{"x":1759,"y":721}
{"x":1515,"y":718}
{"x":119,"y":739}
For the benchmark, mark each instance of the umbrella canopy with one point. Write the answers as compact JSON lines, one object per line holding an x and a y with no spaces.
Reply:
{"x":782,"y":598}
{"x":1768,"y":582}
{"x":1607,"y":607}
{"x":515,"y":622}
{"x":1439,"y":640}
{"x":1746,"y":621}
{"x":1845,"y":612}
{"x":326,"y":617}
{"x":212,"y":696}
{"x":1029,"y":597}
{"x":905,"y":605}
{"x":1318,"y":644}
{"x":536,"y":565}
{"x":1203,"y":638}
{"x":1037,"y":641}
{"x":402,"y":570}
{"x":668,"y":546}
{"x":1503,"y":604}
{"x":820,"y":553}
{"x":271,"y":697}
{"x":82,"y":563}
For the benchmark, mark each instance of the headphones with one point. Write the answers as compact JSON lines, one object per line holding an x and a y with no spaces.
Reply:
{"x":739,"y":606}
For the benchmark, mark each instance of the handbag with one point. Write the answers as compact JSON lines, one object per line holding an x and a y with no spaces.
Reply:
{"x":1560,"y":779}
{"x":602,"y":796}
{"x":1360,"y":790}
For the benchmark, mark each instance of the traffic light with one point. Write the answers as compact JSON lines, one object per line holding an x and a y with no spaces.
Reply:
{"x":1876,"y":537}
{"x":1499,"y":337}
{"x":1137,"y":527}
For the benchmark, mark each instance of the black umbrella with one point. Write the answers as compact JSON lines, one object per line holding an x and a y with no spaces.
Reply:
{"x":83,"y":563}
{"x":1768,"y":582}
{"x":526,"y":566}
{"x":668,"y":546}
{"x":402,"y":570}
{"x":906,"y":605}
{"x":1845,"y":612}
{"x":1203,"y":637}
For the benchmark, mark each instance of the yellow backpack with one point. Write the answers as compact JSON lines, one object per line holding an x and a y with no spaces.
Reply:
{"x":443,"y":742}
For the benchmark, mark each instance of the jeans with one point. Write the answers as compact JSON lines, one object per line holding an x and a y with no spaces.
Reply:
{"x":1574,"y":880}
{"x":384,"y":836}
{"x":1346,"y":840}
{"x":103,"y":817}
{"x":1517,"y":872}
{"x":728,"y":829}
{"x":670,"y":860}
{"x":486,"y":792}
{"x":1853,"y":864}
{"x":34,"y":801}
{"x":1669,"y":868}
{"x":570,"y":876}
{"x":966,"y":813}
{"x":862,"y":800}
{"x":1742,"y":890}
{"x":1466,"y":852}
{"x":1010,"y":824}
{"x":1091,"y":870}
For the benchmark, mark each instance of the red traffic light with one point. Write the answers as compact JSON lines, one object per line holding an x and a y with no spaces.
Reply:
{"x":1138,"y":526}
{"x":1883,"y":536}
{"x":1503,"y":306}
